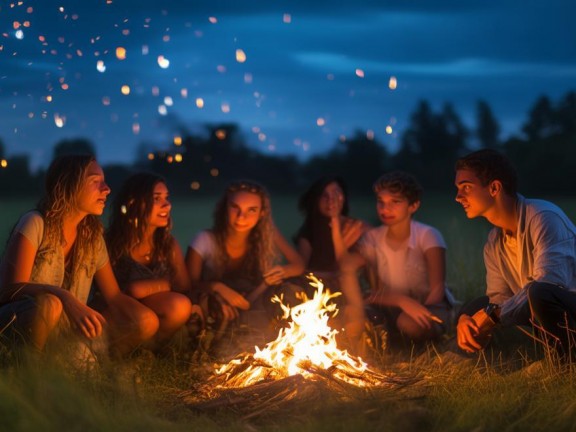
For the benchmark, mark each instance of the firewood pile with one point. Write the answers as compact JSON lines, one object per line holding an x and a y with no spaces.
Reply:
{"x":296,"y":393}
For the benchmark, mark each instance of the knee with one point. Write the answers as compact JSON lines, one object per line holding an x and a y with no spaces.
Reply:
{"x":49,"y":307}
{"x":179,"y":308}
{"x":146,"y":323}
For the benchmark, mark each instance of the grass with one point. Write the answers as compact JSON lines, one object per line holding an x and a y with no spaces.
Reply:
{"x":450,"y":395}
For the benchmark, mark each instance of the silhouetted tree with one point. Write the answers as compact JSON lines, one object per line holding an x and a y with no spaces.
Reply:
{"x":540,"y":122}
{"x":74,"y":146}
{"x":431,"y":144}
{"x":17,"y":180}
{"x":359,"y":160}
{"x":487,"y":128}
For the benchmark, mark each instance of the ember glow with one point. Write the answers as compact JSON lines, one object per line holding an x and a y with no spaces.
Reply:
{"x":308,"y":343}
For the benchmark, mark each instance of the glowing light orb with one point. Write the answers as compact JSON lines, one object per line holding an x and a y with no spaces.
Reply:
{"x":100,"y":66}
{"x":163,"y":62}
{"x":240,"y":56}
{"x":121,"y":53}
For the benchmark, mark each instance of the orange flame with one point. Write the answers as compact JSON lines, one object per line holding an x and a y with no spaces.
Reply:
{"x":308,"y":342}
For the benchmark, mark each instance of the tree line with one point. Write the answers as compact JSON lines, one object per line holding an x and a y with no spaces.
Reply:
{"x":544,"y":151}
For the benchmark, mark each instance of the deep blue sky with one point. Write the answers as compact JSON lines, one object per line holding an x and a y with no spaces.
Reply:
{"x":304,"y":65}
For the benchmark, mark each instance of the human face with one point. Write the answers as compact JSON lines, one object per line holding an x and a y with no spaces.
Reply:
{"x":393,"y":208}
{"x":94,"y":191}
{"x":159,"y":216}
{"x":244,"y":211}
{"x":331,"y":201}
{"x":472,"y":195}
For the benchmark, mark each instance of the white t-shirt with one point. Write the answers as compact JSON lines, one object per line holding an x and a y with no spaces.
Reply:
{"x":402,"y":270}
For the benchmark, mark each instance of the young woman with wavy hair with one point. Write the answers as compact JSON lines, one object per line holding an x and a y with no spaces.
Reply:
{"x":243,"y":254}
{"x":147,"y":260}
{"x":52,"y":257}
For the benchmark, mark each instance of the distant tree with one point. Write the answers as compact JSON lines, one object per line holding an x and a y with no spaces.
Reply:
{"x":487,"y":128}
{"x":546,"y":159}
{"x":359,"y":160}
{"x":541,"y":120}
{"x":567,"y":114}
{"x":17,"y":180}
{"x":2,"y":154}
{"x":73,"y":146}
{"x":431,"y":144}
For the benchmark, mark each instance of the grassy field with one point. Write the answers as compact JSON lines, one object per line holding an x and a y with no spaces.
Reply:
{"x":447,"y":394}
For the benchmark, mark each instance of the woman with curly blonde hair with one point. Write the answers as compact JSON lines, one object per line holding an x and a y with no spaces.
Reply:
{"x":53,"y":255}
{"x":147,"y":260}
{"x":240,"y":257}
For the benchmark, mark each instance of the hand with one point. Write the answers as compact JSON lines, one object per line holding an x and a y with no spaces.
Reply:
{"x":467,"y":331}
{"x":88,"y":321}
{"x":418,"y":312}
{"x":233,"y":298}
{"x":351,"y":231}
{"x":275,"y":275}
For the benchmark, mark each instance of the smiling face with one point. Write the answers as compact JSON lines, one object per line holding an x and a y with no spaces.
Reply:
{"x":475,"y":198}
{"x":331,"y":201}
{"x":244,"y":210}
{"x":159,"y":216}
{"x":91,"y":199}
{"x":394,"y":208}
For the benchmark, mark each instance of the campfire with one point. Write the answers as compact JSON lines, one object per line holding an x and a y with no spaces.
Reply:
{"x":306,"y":347}
{"x":301,"y":369}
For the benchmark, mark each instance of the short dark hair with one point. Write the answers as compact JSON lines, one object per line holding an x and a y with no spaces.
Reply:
{"x":490,"y":165}
{"x":400,"y":182}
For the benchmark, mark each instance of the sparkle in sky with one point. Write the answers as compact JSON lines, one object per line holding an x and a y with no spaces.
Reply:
{"x":296,"y":76}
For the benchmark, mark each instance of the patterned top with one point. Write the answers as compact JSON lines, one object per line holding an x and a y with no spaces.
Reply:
{"x":49,"y":264}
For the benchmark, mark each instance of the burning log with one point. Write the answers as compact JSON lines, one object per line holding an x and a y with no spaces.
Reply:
{"x":302,"y":366}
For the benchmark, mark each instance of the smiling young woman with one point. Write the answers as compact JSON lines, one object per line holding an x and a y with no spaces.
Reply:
{"x":147,"y":260}
{"x":244,"y":257}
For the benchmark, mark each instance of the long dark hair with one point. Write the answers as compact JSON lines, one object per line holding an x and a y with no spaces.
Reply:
{"x":129,"y":220}
{"x":315,"y":227}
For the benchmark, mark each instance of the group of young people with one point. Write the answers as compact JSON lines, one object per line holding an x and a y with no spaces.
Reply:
{"x":63,"y":274}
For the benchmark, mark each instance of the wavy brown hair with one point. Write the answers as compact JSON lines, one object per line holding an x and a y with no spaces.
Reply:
{"x":261,"y":251}
{"x":129,"y":221}
{"x":64,"y":181}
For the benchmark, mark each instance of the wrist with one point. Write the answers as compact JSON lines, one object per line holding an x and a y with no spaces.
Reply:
{"x":493,"y":311}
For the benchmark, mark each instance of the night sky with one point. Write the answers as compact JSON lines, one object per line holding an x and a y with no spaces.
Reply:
{"x":295,"y":75}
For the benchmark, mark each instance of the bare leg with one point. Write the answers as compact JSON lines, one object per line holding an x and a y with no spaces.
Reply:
{"x":130,"y":324}
{"x":173,"y":311}
{"x":46,"y":317}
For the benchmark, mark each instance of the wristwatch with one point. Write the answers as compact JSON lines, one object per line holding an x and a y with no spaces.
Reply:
{"x":493,"y":311}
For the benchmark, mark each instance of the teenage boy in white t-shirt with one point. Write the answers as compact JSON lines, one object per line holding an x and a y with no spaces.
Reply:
{"x":408,"y":259}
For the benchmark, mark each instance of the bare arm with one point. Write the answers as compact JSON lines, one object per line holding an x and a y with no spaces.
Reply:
{"x":145,"y":287}
{"x":21,"y":254}
{"x":294,"y":263}
{"x":230,"y":299}
{"x":182,"y":281}
{"x":436,"y":266}
{"x":305,"y":250}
